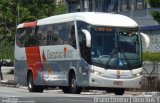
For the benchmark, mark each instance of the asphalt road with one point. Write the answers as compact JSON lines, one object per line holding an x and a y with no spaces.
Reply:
{"x":21,"y":95}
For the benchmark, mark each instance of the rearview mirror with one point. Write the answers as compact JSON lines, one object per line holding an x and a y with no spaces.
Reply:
{"x":146,"y":39}
{"x":88,"y":37}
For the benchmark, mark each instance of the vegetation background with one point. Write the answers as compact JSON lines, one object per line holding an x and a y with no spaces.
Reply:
{"x":14,"y":12}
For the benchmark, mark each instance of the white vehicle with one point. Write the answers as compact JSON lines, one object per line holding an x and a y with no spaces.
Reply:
{"x":79,"y":50}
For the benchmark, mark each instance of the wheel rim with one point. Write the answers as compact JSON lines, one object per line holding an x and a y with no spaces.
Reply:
{"x":30,"y":83}
{"x":73,"y":83}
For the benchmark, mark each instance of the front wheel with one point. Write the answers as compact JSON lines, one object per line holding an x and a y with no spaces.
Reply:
{"x":74,"y":89}
{"x":65,"y":90}
{"x":119,"y":91}
{"x":31,"y":86}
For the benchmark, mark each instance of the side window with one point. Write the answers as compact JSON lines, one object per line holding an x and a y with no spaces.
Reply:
{"x":46,"y":35}
{"x":26,"y":37}
{"x":66,"y":34}
{"x":20,"y":37}
{"x":72,"y":37}
{"x":63,"y":33}
{"x":57,"y":34}
{"x":49,"y":37}
{"x":42,"y":36}
{"x":30,"y":37}
{"x":84,"y":50}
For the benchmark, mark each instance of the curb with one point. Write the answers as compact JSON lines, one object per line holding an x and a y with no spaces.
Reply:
{"x":8,"y":82}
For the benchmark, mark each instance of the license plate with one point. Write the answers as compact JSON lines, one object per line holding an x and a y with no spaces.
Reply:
{"x":118,"y":83}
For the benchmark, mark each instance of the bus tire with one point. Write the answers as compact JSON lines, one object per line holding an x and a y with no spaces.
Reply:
{"x":31,"y":86}
{"x":119,"y":91}
{"x":65,"y":90}
{"x":74,"y":89}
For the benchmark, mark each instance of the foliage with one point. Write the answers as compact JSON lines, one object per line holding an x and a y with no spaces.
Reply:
{"x":14,"y":12}
{"x":60,"y":8}
{"x":147,"y":56}
{"x":154,"y":3}
{"x":155,"y":14}
{"x":30,"y":10}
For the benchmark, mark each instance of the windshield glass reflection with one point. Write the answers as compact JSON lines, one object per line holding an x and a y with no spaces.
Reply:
{"x":115,"y":48}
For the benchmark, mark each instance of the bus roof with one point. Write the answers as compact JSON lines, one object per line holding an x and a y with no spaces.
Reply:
{"x":94,"y":18}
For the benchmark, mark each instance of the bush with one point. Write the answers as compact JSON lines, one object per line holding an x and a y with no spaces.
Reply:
{"x":147,"y":56}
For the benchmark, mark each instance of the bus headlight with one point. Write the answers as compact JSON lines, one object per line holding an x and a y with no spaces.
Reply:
{"x":137,"y":74}
{"x":97,"y":73}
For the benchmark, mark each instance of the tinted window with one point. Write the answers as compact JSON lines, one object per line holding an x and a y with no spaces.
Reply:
{"x":53,"y":34}
{"x":20,"y":37}
{"x":30,"y":37}
{"x":26,"y":37}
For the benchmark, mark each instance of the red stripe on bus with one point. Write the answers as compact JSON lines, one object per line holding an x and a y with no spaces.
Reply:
{"x":33,"y":60}
{"x":30,"y":24}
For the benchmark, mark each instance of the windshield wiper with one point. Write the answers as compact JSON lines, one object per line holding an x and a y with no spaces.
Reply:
{"x":127,"y":60}
{"x":109,"y":60}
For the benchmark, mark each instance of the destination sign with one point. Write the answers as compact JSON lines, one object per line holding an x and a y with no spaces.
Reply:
{"x":103,"y":29}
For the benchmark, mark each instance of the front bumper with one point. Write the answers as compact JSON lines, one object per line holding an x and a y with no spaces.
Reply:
{"x":99,"y":81}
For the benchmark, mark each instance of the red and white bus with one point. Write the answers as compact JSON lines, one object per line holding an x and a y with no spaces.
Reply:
{"x":79,"y":50}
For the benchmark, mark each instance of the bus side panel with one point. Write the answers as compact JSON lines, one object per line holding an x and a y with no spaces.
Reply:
{"x":82,"y":73}
{"x":49,"y":71}
{"x":56,"y":65}
{"x":33,"y":60}
{"x":55,"y":73}
{"x":20,"y":72}
{"x":20,"y":66}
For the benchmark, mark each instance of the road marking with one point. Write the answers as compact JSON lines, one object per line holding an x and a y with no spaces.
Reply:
{"x":75,"y":100}
{"x":25,"y":101}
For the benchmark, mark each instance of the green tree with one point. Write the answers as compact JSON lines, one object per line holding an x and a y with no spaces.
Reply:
{"x":14,"y":12}
{"x":7,"y":26}
{"x":155,"y":14}
{"x":61,"y":7}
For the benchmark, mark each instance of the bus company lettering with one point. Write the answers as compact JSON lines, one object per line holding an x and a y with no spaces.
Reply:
{"x":59,"y":54}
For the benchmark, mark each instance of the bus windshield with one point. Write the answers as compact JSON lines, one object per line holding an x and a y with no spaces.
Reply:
{"x":129,"y":47}
{"x":114,"y":48}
